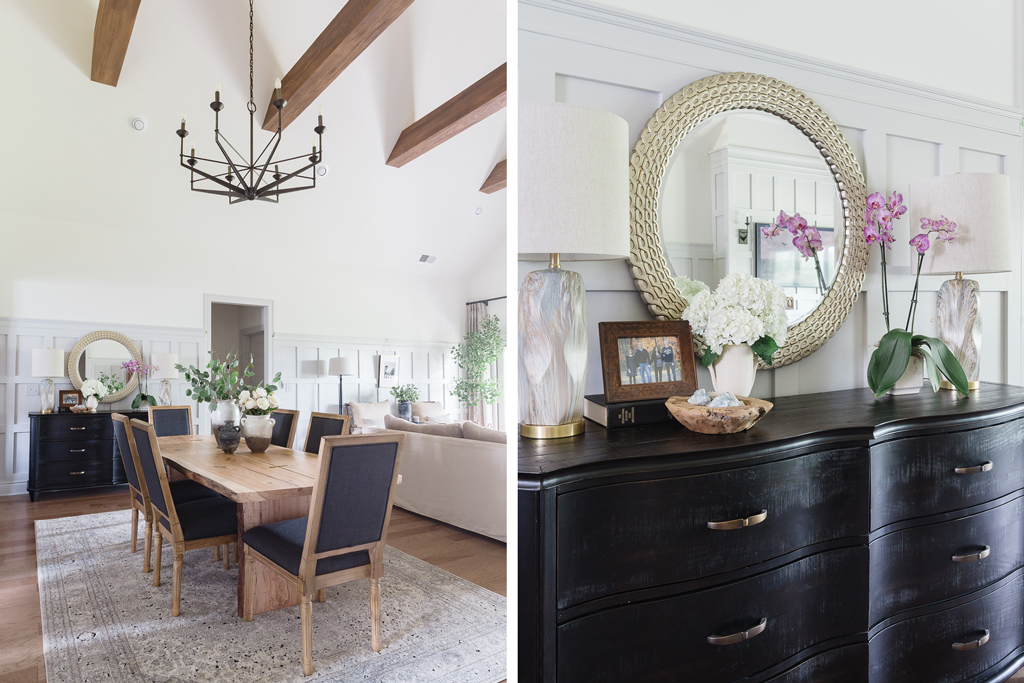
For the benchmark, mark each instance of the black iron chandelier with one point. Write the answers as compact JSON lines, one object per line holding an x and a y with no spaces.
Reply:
{"x":242,"y":180}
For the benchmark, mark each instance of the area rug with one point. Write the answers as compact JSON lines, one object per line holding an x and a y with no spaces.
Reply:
{"x":104,"y":620}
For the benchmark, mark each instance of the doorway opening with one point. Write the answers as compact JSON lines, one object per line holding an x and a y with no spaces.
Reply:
{"x":242,"y":327}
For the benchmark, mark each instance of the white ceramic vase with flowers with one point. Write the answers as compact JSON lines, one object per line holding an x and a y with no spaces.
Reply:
{"x":256,"y":404}
{"x":742,"y":321}
{"x":93,"y":390}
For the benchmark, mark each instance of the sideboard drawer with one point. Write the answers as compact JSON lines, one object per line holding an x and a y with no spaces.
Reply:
{"x":75,"y":474}
{"x":843,"y":665}
{"x":65,"y":451}
{"x":809,"y":601}
{"x":920,"y":650}
{"x":634,"y":535}
{"x":76,"y":427}
{"x":915,"y":566}
{"x":918,"y":476}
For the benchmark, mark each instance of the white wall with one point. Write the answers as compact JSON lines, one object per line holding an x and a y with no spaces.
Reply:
{"x":900,"y":131}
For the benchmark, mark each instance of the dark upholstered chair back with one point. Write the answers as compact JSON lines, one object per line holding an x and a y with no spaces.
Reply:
{"x":152,"y":465}
{"x":356,"y":494}
{"x":121,"y":436}
{"x":324,"y":424}
{"x":172,"y":420}
{"x":284,"y":428}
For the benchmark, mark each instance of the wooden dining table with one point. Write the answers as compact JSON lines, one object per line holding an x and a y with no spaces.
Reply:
{"x":267,"y":487}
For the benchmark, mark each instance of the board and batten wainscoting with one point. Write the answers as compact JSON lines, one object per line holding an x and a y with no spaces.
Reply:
{"x":628,"y":64}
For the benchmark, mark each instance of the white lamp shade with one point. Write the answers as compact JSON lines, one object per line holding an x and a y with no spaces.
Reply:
{"x":979,"y":204}
{"x":47,"y":363}
{"x":163,"y":365}
{"x":343,"y":365}
{"x":573,"y":183}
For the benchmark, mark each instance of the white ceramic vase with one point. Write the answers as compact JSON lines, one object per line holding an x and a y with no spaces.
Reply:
{"x":226,"y":410}
{"x":258,"y":430}
{"x":912,"y":379}
{"x":734,"y":370}
{"x":91,"y":402}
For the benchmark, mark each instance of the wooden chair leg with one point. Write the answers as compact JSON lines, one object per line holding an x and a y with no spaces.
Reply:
{"x":227,"y":556}
{"x":321,"y":595}
{"x":249,"y":594}
{"x":306,"y":615}
{"x":375,"y":614}
{"x":216,"y":553}
{"x":135,"y":528}
{"x":176,"y":584}
{"x":238,"y":553}
{"x":158,"y":543}
{"x":148,"y":549}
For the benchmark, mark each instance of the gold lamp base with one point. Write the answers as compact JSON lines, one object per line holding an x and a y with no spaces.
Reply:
{"x":551,"y":431}
{"x":974,"y":385}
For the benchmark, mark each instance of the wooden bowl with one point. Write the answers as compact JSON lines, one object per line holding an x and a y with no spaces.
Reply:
{"x":705,"y":420}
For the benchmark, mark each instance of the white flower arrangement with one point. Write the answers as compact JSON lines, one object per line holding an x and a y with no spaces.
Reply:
{"x":741,"y":310}
{"x":689,"y":288}
{"x":93,"y":387}
{"x":257,"y":402}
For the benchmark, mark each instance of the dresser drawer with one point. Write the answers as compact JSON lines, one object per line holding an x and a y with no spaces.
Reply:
{"x":66,"y":451}
{"x":920,"y":650}
{"x":634,"y":535}
{"x":917,"y":477}
{"x":71,"y":426}
{"x":54,"y":475}
{"x":915,"y":566}
{"x":803,"y":603}
{"x":843,"y":665}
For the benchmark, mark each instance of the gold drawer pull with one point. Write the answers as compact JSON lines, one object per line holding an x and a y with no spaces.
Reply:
{"x":77,"y":429}
{"x":972,"y":644}
{"x":78,"y":450}
{"x":734,"y":638}
{"x":975,"y":556}
{"x":739,"y":523}
{"x":82,"y":472}
{"x":983,"y":467}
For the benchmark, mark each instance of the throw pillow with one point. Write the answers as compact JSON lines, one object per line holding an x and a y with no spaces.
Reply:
{"x":397,"y":423}
{"x":361,"y":412}
{"x":445,"y":419}
{"x":471,"y":430}
{"x":427,"y":409}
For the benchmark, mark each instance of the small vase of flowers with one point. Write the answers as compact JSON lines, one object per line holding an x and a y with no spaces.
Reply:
{"x":895,"y":364}
{"x":140,"y":370}
{"x":93,"y":390}
{"x":256,"y":404}
{"x":405,"y":396}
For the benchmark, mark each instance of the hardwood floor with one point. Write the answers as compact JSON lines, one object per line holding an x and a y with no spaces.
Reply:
{"x":474,"y":558}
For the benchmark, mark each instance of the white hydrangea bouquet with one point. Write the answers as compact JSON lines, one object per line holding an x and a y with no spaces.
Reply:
{"x":257,"y":401}
{"x":741,"y":310}
{"x":93,"y":387}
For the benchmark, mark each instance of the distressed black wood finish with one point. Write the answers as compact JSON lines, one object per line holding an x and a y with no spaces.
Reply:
{"x":615,"y":570}
{"x":607,"y":532}
{"x":73,"y":451}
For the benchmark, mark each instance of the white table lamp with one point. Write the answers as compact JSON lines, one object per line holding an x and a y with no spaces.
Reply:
{"x":47,"y":363}
{"x":342,"y":366}
{"x":979,"y":204}
{"x":164,"y":370}
{"x":573,"y":206}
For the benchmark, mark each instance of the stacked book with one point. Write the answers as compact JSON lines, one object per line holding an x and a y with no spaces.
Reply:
{"x":626,"y":414}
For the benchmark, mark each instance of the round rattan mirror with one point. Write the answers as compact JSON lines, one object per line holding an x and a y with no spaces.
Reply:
{"x":712,"y":101}
{"x":99,"y":355}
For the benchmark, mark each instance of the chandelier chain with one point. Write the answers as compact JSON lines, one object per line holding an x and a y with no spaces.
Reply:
{"x":252,"y":103}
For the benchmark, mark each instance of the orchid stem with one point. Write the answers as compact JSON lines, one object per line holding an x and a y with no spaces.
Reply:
{"x":912,"y":313}
{"x":817,"y":267}
{"x":885,"y":289}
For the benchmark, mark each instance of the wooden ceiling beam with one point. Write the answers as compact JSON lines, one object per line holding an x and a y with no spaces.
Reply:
{"x":497,"y":179}
{"x":472,"y":105}
{"x":355,"y":27}
{"x":115,"y":20}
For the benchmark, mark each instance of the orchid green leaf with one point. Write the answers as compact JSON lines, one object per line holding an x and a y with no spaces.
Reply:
{"x":945,"y":362}
{"x":889,"y":361}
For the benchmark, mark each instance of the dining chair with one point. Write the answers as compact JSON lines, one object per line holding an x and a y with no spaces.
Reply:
{"x":171,"y":420}
{"x":324,"y":424}
{"x":344,"y":535}
{"x":285,"y":422}
{"x":181,"y":491}
{"x":202,"y":523}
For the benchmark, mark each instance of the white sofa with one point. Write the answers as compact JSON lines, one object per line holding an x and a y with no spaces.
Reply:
{"x":458,"y":481}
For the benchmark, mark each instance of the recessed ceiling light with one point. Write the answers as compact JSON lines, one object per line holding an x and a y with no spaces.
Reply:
{"x":426,"y":258}
{"x":138,"y":124}
{"x":322,"y":170}
{"x":479,"y":210}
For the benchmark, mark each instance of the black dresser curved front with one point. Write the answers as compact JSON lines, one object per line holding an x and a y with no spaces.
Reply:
{"x":843,"y":539}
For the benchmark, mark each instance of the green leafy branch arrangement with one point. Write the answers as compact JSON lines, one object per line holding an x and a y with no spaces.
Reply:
{"x":222,"y":380}
{"x":478,"y":350}
{"x":407,"y":393}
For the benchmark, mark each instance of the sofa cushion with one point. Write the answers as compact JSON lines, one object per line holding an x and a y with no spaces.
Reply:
{"x":361,"y":412}
{"x":471,"y":430}
{"x":427,"y":409}
{"x":397,"y":423}
{"x":282,"y":542}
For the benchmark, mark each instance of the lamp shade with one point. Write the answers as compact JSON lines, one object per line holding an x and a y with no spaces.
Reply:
{"x":342,"y":365}
{"x":573,"y":183}
{"x":979,"y":204}
{"x":47,"y":363}
{"x":163,"y":365}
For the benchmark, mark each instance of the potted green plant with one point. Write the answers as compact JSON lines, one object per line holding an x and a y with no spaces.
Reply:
{"x":219,"y":386}
{"x":474,"y":356}
{"x":405,"y":396}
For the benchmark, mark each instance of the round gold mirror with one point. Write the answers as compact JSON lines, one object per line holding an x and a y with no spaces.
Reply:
{"x":100,"y":355}
{"x":710,"y":172}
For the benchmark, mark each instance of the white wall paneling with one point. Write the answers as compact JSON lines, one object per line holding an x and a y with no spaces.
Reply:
{"x":628,"y":64}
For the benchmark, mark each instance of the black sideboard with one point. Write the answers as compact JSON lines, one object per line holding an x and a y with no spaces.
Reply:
{"x":842,"y":539}
{"x":74,"y":451}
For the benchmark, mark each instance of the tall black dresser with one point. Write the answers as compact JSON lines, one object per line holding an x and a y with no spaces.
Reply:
{"x":74,"y":451}
{"x":843,"y":539}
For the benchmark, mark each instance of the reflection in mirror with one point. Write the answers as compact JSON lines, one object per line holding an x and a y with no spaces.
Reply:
{"x":102,"y":360}
{"x":719,"y":209}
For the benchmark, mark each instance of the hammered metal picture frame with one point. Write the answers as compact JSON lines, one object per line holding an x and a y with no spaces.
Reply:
{"x":76,"y":354}
{"x":682,"y":113}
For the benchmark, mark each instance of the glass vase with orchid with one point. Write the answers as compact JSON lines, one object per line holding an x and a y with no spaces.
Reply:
{"x":806,"y":239}
{"x":140,"y":370}
{"x":890,"y":360}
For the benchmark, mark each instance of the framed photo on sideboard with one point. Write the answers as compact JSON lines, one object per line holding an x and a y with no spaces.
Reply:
{"x":647,"y":360}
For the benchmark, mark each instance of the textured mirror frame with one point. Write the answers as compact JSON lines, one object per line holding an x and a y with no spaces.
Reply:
{"x":79,"y":348}
{"x":648,"y":164}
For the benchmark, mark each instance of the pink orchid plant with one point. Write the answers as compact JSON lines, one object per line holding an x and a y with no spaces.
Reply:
{"x":806,"y":239}
{"x":891,"y":358}
{"x":140,"y":370}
